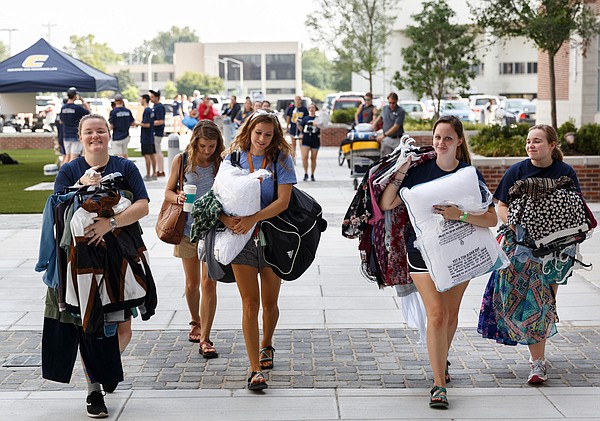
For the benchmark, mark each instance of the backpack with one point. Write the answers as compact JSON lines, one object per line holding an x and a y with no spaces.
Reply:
{"x":6,"y":159}
{"x":292,"y":237}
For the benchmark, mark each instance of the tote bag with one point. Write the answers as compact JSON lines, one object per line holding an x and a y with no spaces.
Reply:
{"x":171,"y":218}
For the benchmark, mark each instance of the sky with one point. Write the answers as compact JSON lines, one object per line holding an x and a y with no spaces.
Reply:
{"x":125,"y":24}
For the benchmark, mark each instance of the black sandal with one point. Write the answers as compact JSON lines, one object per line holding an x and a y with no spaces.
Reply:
{"x":446,"y":374}
{"x":438,"y":397}
{"x":256,"y":385}
{"x":267,"y":359}
{"x":207,"y":349}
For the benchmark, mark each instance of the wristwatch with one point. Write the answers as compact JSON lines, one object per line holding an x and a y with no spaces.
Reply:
{"x":113,"y":223}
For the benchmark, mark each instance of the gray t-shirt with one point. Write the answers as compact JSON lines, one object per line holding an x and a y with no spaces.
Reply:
{"x":203,"y":179}
{"x":391,"y":117}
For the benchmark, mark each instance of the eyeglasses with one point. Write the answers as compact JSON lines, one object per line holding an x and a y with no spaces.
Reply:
{"x":262,"y":111}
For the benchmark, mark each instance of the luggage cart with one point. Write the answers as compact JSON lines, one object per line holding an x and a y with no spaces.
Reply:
{"x":363,"y":153}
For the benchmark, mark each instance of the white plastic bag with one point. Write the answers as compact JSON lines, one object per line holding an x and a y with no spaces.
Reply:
{"x":453,"y":251}
{"x":238,"y":190}
{"x":229,"y":244}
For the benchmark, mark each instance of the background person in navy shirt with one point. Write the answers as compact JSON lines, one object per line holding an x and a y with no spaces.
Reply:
{"x":159,"y":131}
{"x":147,"y":138}
{"x":70,"y":115}
{"x":294,"y":115}
{"x":120,"y":120}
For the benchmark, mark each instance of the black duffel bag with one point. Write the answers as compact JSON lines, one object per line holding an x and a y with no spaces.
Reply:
{"x":293,"y":236}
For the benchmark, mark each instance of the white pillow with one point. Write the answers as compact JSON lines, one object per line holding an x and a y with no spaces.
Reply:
{"x":453,"y":251}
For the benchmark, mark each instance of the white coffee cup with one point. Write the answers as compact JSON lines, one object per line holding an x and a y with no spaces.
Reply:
{"x":190,"y":197}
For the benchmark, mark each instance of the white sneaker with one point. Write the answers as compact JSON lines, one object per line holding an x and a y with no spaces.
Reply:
{"x":538,"y":372}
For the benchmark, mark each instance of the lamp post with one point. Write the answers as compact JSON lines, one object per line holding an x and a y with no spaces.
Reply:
{"x":150,"y":54}
{"x":10,"y":31}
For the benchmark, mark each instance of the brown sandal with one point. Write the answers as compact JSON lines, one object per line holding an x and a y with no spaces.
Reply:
{"x":207,"y":349}
{"x":193,"y":336}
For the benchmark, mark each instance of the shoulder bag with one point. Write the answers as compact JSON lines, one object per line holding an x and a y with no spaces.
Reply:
{"x":171,"y":218}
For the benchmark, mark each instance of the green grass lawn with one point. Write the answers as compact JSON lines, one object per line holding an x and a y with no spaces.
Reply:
{"x":15,"y":178}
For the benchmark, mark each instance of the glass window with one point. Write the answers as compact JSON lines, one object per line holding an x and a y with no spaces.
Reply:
{"x":281,"y":66}
{"x":506,"y":68}
{"x":276,"y":91}
{"x":519,"y":68}
{"x":251,"y":67}
{"x":532,"y":67}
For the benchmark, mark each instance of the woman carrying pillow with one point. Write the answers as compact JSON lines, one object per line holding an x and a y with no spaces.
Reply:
{"x":442,"y":308}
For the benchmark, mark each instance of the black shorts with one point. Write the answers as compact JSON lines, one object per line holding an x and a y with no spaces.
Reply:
{"x":416,"y":264}
{"x":311,"y":143}
{"x":149,"y":149}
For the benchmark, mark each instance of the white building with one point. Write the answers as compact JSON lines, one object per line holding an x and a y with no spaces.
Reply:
{"x":272,"y":68}
{"x":508,"y":68}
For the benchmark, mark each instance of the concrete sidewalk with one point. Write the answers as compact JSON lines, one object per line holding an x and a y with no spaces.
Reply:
{"x":343,"y":350}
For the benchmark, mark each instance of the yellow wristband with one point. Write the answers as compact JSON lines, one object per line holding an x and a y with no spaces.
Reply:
{"x":463,"y":217}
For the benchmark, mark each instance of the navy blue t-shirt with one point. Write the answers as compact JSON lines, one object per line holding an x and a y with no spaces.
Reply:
{"x":423,"y":173}
{"x":147,"y":133}
{"x":159,"y":114}
{"x":175,"y":106}
{"x":121,"y":119}
{"x":310,"y":136}
{"x":70,"y":115}
{"x":525,"y":169}
{"x":72,"y":171}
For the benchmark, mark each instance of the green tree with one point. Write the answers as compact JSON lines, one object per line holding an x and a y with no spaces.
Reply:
{"x":97,"y":55}
{"x":317,"y":69}
{"x":548,"y":23}
{"x":357,"y":31}
{"x":125,"y":78}
{"x":3,"y":51}
{"x":190,"y":81}
{"x":131,"y":92}
{"x":163,"y":44}
{"x":342,"y":77}
{"x":441,"y":58}
{"x":169,"y":90}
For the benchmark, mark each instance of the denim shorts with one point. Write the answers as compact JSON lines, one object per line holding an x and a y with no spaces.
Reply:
{"x":251,"y":255}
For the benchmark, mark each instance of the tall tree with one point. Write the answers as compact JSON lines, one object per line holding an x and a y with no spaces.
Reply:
{"x":317,"y":69}
{"x":163,"y":44}
{"x":548,"y":23}
{"x":125,"y":78}
{"x":357,"y":31}
{"x":97,"y":55}
{"x":441,"y":58}
{"x":190,"y":81}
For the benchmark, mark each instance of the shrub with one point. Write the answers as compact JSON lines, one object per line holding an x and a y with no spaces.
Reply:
{"x":587,"y":139}
{"x":343,"y":116}
{"x":500,"y":141}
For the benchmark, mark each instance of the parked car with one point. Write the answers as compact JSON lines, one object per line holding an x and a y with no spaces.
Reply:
{"x":414,"y":109}
{"x":346,"y":102}
{"x":99,"y":106}
{"x":330,"y":99}
{"x":42,"y":102}
{"x":478,"y":104}
{"x":521,"y":110}
{"x":458,"y":109}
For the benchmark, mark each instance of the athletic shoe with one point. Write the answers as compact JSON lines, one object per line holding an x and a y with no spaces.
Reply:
{"x":305,"y":177}
{"x":538,"y":372}
{"x":148,"y":178}
{"x":95,"y":405}
{"x":312,"y":178}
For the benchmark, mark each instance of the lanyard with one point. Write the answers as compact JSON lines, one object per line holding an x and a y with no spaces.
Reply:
{"x":263,"y":166}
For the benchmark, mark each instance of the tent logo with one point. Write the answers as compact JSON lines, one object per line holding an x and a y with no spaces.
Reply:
{"x":35,"y":60}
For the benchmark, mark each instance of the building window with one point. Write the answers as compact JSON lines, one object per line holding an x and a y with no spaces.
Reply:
{"x":519,"y":68}
{"x":155,"y":76}
{"x":143,"y":77}
{"x":281,"y":66}
{"x":532,"y":67}
{"x":506,"y":68}
{"x":478,"y":69}
{"x":279,"y":91}
{"x":251,"y":67}
{"x":172,"y":76}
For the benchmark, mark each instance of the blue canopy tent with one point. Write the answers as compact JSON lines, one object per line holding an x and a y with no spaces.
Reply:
{"x":44,"y":68}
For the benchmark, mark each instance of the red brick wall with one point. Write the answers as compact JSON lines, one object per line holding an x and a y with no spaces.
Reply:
{"x":561,"y":72}
{"x":333,"y":136}
{"x":27,"y":141}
